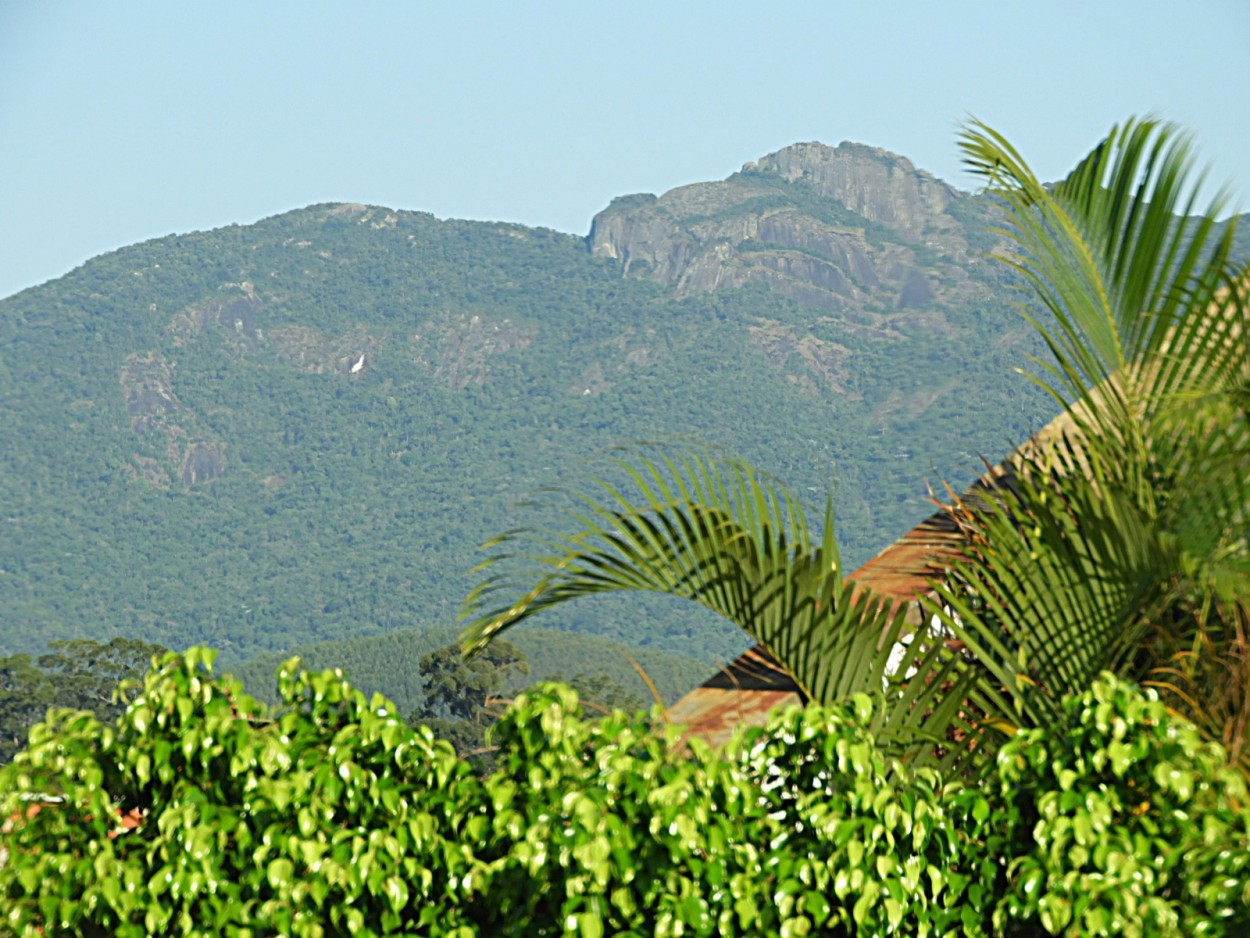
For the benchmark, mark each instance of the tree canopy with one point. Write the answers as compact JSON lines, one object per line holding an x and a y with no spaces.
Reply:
{"x":81,"y":674}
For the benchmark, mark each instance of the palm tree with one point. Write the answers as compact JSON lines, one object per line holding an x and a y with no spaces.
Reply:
{"x":1119,"y":543}
{"x":1125,"y":546}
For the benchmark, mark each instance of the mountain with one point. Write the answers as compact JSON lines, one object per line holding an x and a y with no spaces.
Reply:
{"x":271,"y":435}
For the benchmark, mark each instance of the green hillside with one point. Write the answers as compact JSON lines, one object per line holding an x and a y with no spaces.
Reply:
{"x":268,"y":436}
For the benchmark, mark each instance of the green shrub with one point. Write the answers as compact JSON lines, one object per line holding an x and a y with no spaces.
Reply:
{"x":613,"y":827}
{"x":857,"y":849}
{"x":1118,"y":821}
{"x":332,"y":817}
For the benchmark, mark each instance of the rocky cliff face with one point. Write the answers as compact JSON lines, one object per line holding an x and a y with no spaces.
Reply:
{"x":853,"y":230}
{"x":874,"y":183}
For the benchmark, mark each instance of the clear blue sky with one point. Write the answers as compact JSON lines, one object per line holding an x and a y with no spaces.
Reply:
{"x":123,"y":121}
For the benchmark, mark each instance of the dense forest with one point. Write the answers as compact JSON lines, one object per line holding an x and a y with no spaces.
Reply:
{"x":389,"y":664}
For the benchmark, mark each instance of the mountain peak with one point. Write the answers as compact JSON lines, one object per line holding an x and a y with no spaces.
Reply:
{"x":872,"y":182}
{"x":836,"y":228}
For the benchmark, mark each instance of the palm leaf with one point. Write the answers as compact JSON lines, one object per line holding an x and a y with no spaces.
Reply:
{"x":1138,"y":505}
{"x":1115,"y":252}
{"x":710,"y":531}
{"x":718,"y":533}
{"x":1050,"y":591}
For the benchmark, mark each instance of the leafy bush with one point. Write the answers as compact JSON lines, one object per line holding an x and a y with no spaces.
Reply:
{"x":612,"y":827}
{"x":1118,"y":821}
{"x":860,"y":846}
{"x":330,"y":816}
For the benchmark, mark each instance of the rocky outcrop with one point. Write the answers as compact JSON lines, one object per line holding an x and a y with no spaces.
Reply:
{"x":234,"y":314}
{"x":459,"y":348}
{"x":165,"y":428}
{"x":850,"y":230}
{"x":348,"y":353}
{"x":147,"y":382}
{"x":821,"y":364}
{"x":203,"y":462}
{"x":880,"y":186}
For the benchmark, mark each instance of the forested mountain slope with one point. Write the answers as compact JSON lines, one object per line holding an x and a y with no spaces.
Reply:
{"x":269,"y":435}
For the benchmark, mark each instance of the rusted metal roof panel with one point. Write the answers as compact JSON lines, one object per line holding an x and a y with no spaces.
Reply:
{"x":712,"y":715}
{"x":744,"y":692}
{"x":904,"y":570}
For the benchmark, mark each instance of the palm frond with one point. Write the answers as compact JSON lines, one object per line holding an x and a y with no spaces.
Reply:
{"x":1206,"y":676}
{"x":712,"y":531}
{"x":718,"y":533}
{"x":1050,"y":590}
{"x":1137,"y":504}
{"x":1116,"y":254}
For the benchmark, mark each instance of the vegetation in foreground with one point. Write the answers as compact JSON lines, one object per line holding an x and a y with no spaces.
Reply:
{"x":422,"y":673}
{"x":331,"y":816}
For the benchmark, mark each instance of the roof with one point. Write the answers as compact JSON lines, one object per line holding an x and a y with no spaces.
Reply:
{"x":744,"y":692}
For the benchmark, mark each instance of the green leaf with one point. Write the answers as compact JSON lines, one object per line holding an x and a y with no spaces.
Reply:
{"x":280,"y":874}
{"x":1055,"y":913}
{"x":397,"y":892}
{"x":861,"y":911}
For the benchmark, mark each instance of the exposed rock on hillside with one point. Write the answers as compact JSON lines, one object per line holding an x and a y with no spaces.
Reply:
{"x":202,"y":462}
{"x":312,"y":350}
{"x":148,"y":387}
{"x":458,"y":348}
{"x":234,"y":315}
{"x":852,"y":230}
{"x":824,"y":364}
{"x":881,"y":186}
{"x":159,"y":419}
